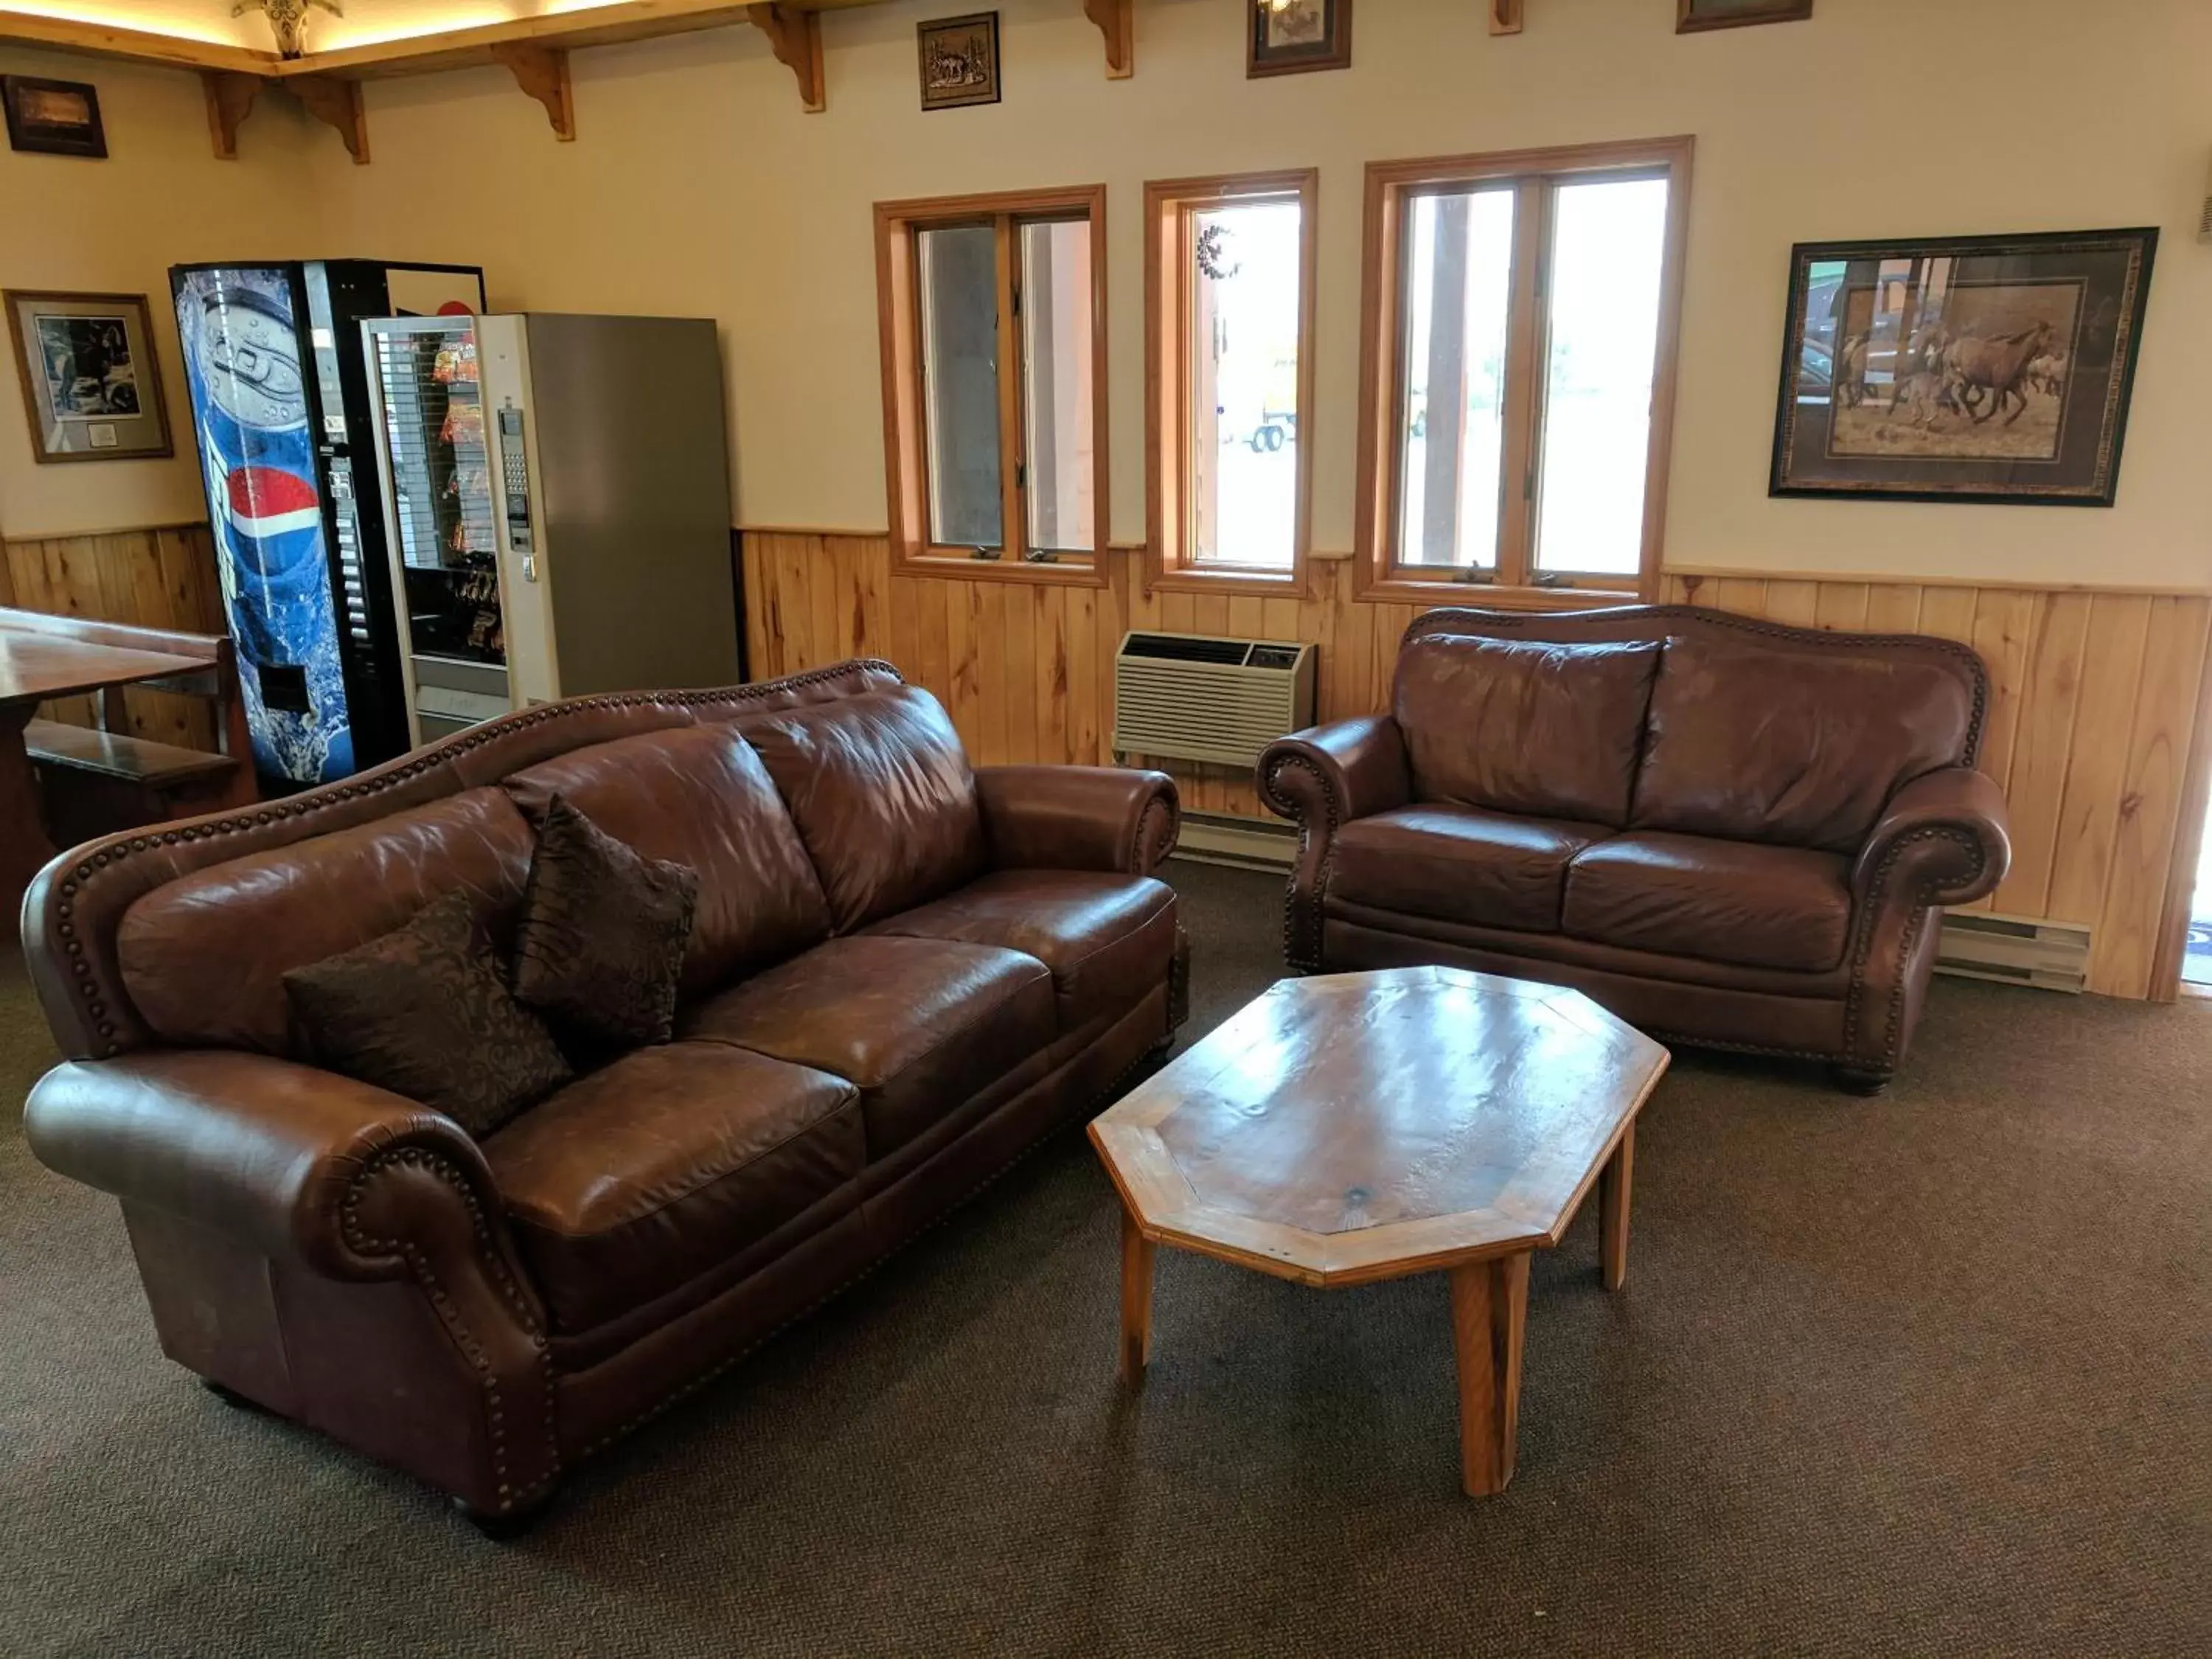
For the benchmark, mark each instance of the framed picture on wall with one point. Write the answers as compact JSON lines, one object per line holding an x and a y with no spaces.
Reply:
{"x":53,"y":118}
{"x":1289,"y":37}
{"x":1693,"y":16}
{"x":1976,"y":369}
{"x":959,"y":61}
{"x":92,"y":388}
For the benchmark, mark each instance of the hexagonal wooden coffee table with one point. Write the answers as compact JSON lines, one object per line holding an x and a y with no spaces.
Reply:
{"x":1352,"y":1128}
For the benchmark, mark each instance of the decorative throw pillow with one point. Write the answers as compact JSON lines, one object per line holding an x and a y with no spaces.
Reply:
{"x":425,"y":1012}
{"x":600,"y":947}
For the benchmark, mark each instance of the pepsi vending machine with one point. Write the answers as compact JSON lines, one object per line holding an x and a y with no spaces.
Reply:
{"x":278,"y":387}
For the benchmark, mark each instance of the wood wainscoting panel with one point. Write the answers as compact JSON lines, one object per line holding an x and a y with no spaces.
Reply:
{"x":162,"y":577}
{"x":2093,"y":695}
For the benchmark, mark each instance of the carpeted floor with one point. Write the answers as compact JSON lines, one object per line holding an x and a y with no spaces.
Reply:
{"x":1928,"y":1374}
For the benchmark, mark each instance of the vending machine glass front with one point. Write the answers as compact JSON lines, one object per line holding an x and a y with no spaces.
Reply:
{"x":440,"y":485}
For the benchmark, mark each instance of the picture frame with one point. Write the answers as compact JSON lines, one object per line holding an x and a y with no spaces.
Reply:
{"x":1297,"y":37}
{"x":1972,"y":368}
{"x":53,"y":118}
{"x":959,"y":61}
{"x":1696,"y":16}
{"x":92,"y":383}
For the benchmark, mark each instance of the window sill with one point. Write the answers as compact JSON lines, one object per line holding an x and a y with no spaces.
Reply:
{"x":1063,"y":573}
{"x":1492,"y":596}
{"x":1267,"y":584}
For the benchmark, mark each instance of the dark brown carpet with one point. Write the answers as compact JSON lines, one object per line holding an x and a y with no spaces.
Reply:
{"x":1928,"y":1374}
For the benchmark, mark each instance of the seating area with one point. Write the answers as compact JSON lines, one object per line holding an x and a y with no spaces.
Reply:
{"x":1167,"y":827}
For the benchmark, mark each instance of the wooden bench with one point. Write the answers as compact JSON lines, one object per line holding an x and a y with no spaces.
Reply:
{"x":101,"y":778}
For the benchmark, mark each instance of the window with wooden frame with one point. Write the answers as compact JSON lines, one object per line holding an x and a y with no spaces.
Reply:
{"x":993,"y":312}
{"x":1517,"y":372}
{"x":1229,"y":309}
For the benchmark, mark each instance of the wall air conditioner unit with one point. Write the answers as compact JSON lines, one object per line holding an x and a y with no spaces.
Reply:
{"x":2052,"y":956}
{"x":1197,"y":697}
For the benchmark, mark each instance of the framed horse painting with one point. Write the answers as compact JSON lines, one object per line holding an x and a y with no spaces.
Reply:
{"x":1976,"y":369}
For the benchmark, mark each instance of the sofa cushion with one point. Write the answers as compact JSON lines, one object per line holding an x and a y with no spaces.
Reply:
{"x":634,"y":1180}
{"x":601,"y":940}
{"x":1460,"y":864}
{"x":919,"y":1025}
{"x":1720,"y":901}
{"x":204,"y":957}
{"x":424,"y":1012}
{"x":881,"y":793}
{"x":1525,"y":726}
{"x":698,"y":796}
{"x":1107,"y":939}
{"x":1799,"y":747}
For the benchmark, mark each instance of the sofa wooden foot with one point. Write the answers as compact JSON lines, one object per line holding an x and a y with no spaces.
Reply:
{"x":502,"y":1526}
{"x":1857,"y":1080}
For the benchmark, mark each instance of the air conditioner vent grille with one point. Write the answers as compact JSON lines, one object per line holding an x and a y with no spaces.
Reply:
{"x":1198,"y":697}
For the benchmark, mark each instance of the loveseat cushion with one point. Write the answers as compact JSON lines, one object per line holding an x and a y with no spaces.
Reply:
{"x":882,"y":794}
{"x":698,"y":796}
{"x":204,"y":957}
{"x":1525,"y":726}
{"x":1107,"y":939}
{"x":919,"y":1025}
{"x":1799,"y":747}
{"x":636,"y":1179}
{"x":1719,"y":901}
{"x":1460,"y":864}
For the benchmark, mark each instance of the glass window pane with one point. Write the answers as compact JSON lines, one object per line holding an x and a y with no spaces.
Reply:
{"x":1243,"y":357}
{"x":960,"y":384}
{"x":1458,"y":264}
{"x":1057,"y":384}
{"x":1607,"y":247}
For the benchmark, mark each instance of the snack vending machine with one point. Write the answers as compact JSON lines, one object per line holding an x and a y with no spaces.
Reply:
{"x":556,"y":503}
{"x":279,"y":394}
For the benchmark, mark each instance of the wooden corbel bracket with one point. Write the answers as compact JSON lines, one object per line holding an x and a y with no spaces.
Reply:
{"x":230,"y":95}
{"x":1116,"y":21}
{"x":795,"y":38}
{"x":543,"y":72}
{"x":337,"y":104}
{"x":1504,"y":17}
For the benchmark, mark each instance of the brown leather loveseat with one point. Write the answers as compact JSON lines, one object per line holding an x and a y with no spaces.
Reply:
{"x":1728,"y":832}
{"x":901,"y":974}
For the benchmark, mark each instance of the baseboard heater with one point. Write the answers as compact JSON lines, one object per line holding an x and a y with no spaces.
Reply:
{"x":1247,"y":843}
{"x":2050,"y":956}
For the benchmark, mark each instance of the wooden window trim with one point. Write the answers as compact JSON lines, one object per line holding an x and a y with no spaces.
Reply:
{"x":898,"y":321}
{"x":1167,"y":401}
{"x":1376,"y":575}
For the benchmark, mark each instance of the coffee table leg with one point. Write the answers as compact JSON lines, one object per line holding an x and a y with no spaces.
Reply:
{"x":1136,"y":1301}
{"x":1613,"y":1185}
{"x":1490,"y":1314}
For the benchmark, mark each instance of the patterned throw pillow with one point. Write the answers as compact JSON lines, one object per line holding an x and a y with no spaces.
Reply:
{"x":600,"y":947}
{"x":425,"y":1012}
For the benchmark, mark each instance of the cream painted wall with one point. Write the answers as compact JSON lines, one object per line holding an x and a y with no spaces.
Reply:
{"x":698,"y":187}
{"x":115,"y":227}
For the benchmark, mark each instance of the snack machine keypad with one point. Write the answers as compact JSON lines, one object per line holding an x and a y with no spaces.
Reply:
{"x":515,"y":469}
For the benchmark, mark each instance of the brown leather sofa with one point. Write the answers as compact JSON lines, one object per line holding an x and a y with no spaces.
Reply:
{"x":902,"y":973}
{"x":1728,"y":832}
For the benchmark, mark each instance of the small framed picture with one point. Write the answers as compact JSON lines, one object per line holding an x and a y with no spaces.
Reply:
{"x":53,"y":118}
{"x":959,"y":61}
{"x":1289,"y":37}
{"x":91,"y":385}
{"x":1693,"y":16}
{"x":1972,"y":368}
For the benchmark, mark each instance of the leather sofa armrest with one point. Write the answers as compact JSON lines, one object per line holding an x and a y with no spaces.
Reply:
{"x":1333,"y":773}
{"x":1321,"y":779}
{"x":1078,"y":817}
{"x":289,"y":1161}
{"x":1942,"y":839}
